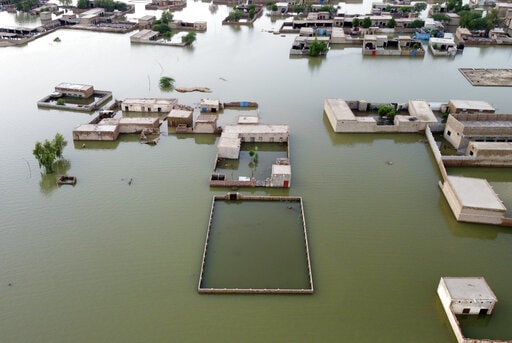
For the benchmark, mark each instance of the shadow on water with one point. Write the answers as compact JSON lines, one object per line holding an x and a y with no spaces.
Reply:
{"x":48,"y":182}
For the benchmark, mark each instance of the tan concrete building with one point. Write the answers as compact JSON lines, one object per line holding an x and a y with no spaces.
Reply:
{"x":469,"y":106}
{"x":466,"y":295}
{"x":180,"y":117}
{"x":93,"y":132}
{"x":490,"y":150}
{"x":342,"y":118}
{"x":158,"y":105}
{"x":206,"y":123}
{"x":473,"y":200}
{"x":75,"y":90}
{"x":133,"y":125}
{"x":259,"y":133}
{"x":209,"y":105}
{"x":461,"y":129}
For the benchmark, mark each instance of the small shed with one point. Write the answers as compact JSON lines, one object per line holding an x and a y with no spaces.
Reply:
{"x":178,"y":116}
{"x":467,"y":295}
{"x":93,"y":132}
{"x":281,"y":175}
{"x":209,"y":105}
{"x":206,"y":123}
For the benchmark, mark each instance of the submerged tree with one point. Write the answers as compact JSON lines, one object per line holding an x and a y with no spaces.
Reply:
{"x":167,"y":83}
{"x":48,"y":152}
{"x":317,"y":48}
{"x":189,"y":38}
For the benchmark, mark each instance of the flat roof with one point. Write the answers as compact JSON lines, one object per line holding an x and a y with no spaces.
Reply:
{"x":177,"y":113}
{"x":144,"y":34}
{"x":476,"y":193}
{"x":340,"y":109}
{"x":95,"y":128}
{"x":471,"y":104}
{"x":422,"y":110}
{"x":137,"y":120}
{"x":73,"y":86}
{"x":147,"y":17}
{"x":210,"y":102}
{"x":206,"y":118}
{"x":149,"y":101}
{"x":255,"y":129}
{"x":468,"y":288}
{"x":281,"y":169}
{"x":248,"y":120}
{"x":502,"y":146}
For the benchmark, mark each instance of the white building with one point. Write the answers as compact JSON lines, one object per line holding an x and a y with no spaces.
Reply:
{"x":159,"y":105}
{"x":466,"y":295}
{"x":259,"y":133}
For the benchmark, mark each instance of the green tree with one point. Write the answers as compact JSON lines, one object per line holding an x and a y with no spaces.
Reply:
{"x":417,"y":23}
{"x":48,"y":152}
{"x":274,"y":7}
{"x":189,"y":38}
{"x":161,"y":28}
{"x":356,"y":22}
{"x":25,"y":5}
{"x":441,"y":17}
{"x":391,"y":23}
{"x":235,"y":15}
{"x":82,"y":4}
{"x":166,"y":17}
{"x":61,"y":102}
{"x":419,"y":6}
{"x":252,"y":13}
{"x":386,"y":111}
{"x":317,"y":48}
{"x":494,"y":18}
{"x":66,"y":2}
{"x":367,"y":22}
{"x":166,"y":83}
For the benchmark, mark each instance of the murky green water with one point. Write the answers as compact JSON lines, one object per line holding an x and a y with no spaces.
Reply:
{"x":106,"y":261}
{"x":258,"y":245}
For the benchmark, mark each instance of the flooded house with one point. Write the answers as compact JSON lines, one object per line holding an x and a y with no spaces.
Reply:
{"x":146,"y":22}
{"x":461,"y":129}
{"x":209,"y":105}
{"x":96,"y":132}
{"x":133,"y":124}
{"x":206,"y":123}
{"x":442,"y":46}
{"x":473,"y":200}
{"x":180,"y":117}
{"x":469,"y":106}
{"x":158,"y":105}
{"x":144,"y":36}
{"x":466,"y":296}
{"x":342,"y":118}
{"x":92,"y":16}
{"x":75,"y":90}
{"x":382,"y":45}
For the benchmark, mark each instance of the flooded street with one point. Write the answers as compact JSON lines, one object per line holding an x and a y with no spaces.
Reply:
{"x":114,"y":260}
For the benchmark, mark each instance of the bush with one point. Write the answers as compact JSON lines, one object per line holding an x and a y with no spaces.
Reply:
{"x":166,"y":83}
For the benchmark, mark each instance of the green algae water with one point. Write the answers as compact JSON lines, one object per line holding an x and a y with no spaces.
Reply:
{"x":113,"y":261}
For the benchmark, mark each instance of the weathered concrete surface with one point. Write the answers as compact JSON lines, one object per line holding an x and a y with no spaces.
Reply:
{"x":488,"y":77}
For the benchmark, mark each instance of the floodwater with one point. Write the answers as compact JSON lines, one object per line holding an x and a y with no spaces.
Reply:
{"x":258,"y":245}
{"x":110,"y":260}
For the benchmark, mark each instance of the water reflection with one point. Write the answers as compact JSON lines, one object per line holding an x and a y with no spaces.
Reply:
{"x":48,"y":182}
